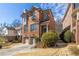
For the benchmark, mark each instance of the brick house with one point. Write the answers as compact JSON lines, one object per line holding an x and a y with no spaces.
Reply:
{"x":71,"y":20}
{"x":35,"y":22}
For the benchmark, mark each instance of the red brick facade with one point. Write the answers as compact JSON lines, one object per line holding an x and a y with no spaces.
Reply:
{"x":41,"y":24}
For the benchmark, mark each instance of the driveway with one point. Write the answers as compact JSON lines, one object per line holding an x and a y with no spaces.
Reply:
{"x":15,"y":49}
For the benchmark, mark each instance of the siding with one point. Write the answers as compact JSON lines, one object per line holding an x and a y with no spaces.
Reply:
{"x":68,"y":18}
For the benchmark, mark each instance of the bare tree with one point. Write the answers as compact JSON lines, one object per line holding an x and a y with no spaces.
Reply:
{"x":16,"y":23}
{"x":58,"y":26}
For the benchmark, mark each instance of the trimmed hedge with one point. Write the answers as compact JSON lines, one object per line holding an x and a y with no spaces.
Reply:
{"x":2,"y":40}
{"x":49,"y":39}
{"x":68,"y":36}
{"x":36,"y":39}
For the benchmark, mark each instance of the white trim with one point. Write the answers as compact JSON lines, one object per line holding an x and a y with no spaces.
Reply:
{"x":47,"y":28}
{"x":77,"y":15}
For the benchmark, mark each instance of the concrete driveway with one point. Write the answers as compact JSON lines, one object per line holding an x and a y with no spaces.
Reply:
{"x":15,"y":49}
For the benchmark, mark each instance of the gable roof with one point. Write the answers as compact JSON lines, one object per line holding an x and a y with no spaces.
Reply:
{"x":10,"y":28}
{"x":29,"y":12}
{"x":19,"y":27}
{"x":45,"y":12}
{"x":42,"y":12}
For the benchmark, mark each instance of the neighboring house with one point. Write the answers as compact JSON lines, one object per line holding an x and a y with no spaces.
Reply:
{"x":35,"y":22}
{"x":1,"y":28}
{"x":71,"y":20}
{"x":9,"y":33}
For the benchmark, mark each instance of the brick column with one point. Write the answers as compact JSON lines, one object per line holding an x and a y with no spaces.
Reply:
{"x":77,"y":28}
{"x":38,"y":29}
{"x":22,"y":30}
{"x":77,"y":32}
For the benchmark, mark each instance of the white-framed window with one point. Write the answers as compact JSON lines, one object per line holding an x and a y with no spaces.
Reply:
{"x":25,"y":28}
{"x":45,"y":16}
{"x":76,"y":5}
{"x":32,"y":27}
{"x":25,"y":20}
{"x":33,"y":15}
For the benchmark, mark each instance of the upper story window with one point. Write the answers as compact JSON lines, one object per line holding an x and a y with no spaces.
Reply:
{"x":76,"y":5}
{"x":45,"y":16}
{"x":33,"y":15}
{"x":25,"y":28}
{"x":25,"y":20}
{"x":33,"y":27}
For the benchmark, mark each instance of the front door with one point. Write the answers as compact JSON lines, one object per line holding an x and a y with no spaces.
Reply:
{"x":26,"y":40}
{"x":44,"y":28}
{"x":32,"y":40}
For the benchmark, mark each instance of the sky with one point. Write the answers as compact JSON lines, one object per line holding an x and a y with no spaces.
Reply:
{"x":11,"y":11}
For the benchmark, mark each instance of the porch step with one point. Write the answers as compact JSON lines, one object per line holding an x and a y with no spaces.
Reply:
{"x":60,"y":41}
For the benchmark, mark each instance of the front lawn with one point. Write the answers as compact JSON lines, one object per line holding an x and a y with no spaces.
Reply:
{"x":39,"y":52}
{"x":64,"y":51}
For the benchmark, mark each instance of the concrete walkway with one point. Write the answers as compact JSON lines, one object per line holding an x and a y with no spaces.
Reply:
{"x":15,"y":49}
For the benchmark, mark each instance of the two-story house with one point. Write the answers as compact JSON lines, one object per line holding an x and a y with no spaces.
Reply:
{"x":35,"y":22}
{"x":9,"y":33}
{"x":71,"y":20}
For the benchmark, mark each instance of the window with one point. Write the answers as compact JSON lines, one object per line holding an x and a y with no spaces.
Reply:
{"x":25,"y":20}
{"x":76,"y":5}
{"x":25,"y":28}
{"x":33,"y":15}
{"x":33,"y":27}
{"x":45,"y":16}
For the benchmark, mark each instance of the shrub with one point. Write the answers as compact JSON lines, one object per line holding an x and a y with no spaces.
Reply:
{"x":2,"y":41}
{"x":38,"y":43}
{"x":68,"y":36}
{"x":49,"y":39}
{"x":36,"y":39}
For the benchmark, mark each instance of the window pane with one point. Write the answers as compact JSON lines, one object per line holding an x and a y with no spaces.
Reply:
{"x":25,"y":28}
{"x":25,"y":20}
{"x":76,"y":5}
{"x":33,"y":16}
{"x":33,"y":27}
{"x":45,"y":16}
